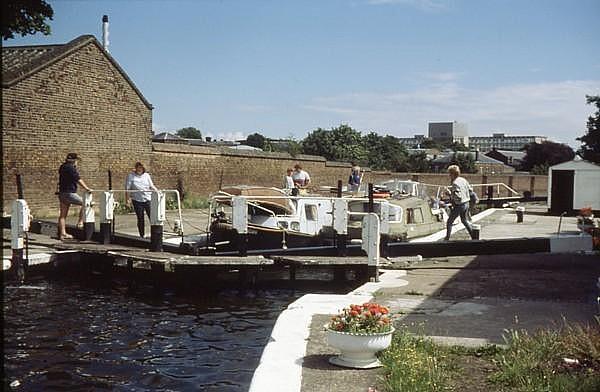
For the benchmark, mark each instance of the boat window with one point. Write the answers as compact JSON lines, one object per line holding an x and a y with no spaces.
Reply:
{"x":414,"y":215}
{"x":311,"y":212}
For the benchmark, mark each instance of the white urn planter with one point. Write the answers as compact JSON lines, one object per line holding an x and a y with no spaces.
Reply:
{"x":358,"y":350}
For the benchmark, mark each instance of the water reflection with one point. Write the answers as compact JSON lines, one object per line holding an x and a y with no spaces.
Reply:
{"x":65,"y":335}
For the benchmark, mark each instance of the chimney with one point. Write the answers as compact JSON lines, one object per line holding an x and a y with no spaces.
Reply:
{"x":105,"y":32}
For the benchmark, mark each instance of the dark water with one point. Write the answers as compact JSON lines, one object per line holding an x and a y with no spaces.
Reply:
{"x":67,"y":336}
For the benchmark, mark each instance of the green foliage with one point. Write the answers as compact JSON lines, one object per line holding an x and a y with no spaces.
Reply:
{"x":590,"y":142}
{"x":385,"y":152}
{"x":338,"y":144}
{"x":25,"y":17}
{"x":549,"y":153}
{"x":536,"y":362}
{"x":540,"y":169}
{"x":190,"y":201}
{"x":189,"y":133}
{"x":466,"y":162}
{"x":414,"y":363}
{"x":256,"y":140}
{"x":418,"y":163}
{"x":455,"y":146}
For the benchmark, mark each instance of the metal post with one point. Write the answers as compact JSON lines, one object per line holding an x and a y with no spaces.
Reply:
{"x":19,"y":225}
{"x":107,"y":204}
{"x":370,"y":243}
{"x":88,"y":216}
{"x":340,"y":224}
{"x":240,"y":222}
{"x":19,"y":187}
{"x":157,"y":218}
{"x":371,"y":208}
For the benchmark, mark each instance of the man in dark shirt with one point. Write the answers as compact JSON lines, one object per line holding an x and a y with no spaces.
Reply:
{"x":68,"y":179}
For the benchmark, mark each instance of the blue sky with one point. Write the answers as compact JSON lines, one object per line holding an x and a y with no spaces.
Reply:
{"x":284,"y":68}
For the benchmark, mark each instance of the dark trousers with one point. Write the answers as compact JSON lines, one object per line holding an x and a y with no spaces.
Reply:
{"x":461,"y":210}
{"x":139,"y":208}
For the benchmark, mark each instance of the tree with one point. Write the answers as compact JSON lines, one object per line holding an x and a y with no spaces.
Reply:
{"x":25,"y":17}
{"x":466,"y":162}
{"x":338,"y":144}
{"x":385,"y":152}
{"x":418,"y":163}
{"x":189,"y":133}
{"x":590,"y":147}
{"x":547,"y":152}
{"x":256,"y":140}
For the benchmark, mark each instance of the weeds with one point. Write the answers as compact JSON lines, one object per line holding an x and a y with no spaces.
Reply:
{"x":549,"y":360}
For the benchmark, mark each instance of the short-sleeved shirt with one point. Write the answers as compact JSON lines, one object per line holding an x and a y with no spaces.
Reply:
{"x":68,"y":176}
{"x":460,"y":190}
{"x":288,"y":182}
{"x":301,"y":177}
{"x":142,"y":182}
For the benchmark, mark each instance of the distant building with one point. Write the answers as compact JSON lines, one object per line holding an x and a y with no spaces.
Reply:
{"x":412,"y":142}
{"x":500,"y":141}
{"x":508,"y":157}
{"x":484,"y":164}
{"x":166,"y":137}
{"x":453,"y":132}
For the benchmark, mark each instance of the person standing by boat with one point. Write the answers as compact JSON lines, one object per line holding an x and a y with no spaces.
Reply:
{"x":68,"y":179}
{"x":459,"y":197}
{"x":139,"y":180}
{"x":288,"y":181}
{"x":301,"y":178}
{"x":355,"y":178}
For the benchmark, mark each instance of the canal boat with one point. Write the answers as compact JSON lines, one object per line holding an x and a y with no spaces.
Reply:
{"x":278,"y":220}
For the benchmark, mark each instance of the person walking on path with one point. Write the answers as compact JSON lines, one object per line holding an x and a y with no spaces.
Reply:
{"x":459,"y":197}
{"x":68,"y":179}
{"x":139,"y":180}
{"x":301,"y":178}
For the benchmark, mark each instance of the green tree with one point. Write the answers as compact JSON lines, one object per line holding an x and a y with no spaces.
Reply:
{"x":466,"y":162}
{"x":418,"y":163}
{"x":256,"y":140}
{"x":189,"y":133}
{"x":547,"y":152}
{"x":430,"y":143}
{"x":590,"y":142}
{"x":338,"y":144}
{"x":385,"y":152}
{"x":455,"y":146}
{"x":25,"y":17}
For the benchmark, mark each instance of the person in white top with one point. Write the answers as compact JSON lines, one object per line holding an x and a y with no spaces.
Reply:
{"x":288,"y":181}
{"x":300,"y":177}
{"x":139,"y":180}
{"x":459,"y":196}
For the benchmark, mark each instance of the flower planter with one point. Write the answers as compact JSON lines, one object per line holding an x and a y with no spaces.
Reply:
{"x":358,"y":350}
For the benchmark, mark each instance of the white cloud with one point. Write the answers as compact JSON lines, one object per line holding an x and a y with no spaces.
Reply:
{"x":555,"y":109}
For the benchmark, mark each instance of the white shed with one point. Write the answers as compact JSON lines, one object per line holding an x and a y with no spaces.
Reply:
{"x":573,"y":185}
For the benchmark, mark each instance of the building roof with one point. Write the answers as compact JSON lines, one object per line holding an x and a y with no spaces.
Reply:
{"x":20,"y":62}
{"x":481,"y":158}
{"x":167,"y":137}
{"x":577,"y":164}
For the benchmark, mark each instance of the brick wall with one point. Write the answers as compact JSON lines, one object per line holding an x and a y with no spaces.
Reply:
{"x":79,"y":104}
{"x":202,"y":169}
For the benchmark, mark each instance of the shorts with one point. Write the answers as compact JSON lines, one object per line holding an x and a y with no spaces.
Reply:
{"x":70,"y":198}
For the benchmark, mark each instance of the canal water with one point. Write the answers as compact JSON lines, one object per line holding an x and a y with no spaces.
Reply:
{"x":70,"y":335}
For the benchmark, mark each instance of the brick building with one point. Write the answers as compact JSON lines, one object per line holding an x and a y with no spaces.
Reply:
{"x":62,"y":98}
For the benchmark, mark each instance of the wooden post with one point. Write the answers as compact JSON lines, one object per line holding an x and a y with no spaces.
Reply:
{"x":339,"y":188}
{"x":532,"y":185}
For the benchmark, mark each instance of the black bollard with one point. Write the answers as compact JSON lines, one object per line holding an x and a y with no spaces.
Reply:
{"x":18,"y":265}
{"x":105,"y":232}
{"x":339,"y":188}
{"x":156,"y":238}
{"x":19,"y":187}
{"x":88,"y":230}
{"x":243,"y":244}
{"x":371,"y":206}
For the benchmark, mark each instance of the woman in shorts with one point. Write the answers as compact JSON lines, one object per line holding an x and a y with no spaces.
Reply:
{"x":68,"y":179}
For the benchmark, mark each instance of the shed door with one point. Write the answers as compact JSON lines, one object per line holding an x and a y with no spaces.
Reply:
{"x":562,"y":191}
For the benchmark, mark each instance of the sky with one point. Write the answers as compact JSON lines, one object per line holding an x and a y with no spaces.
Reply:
{"x":284,"y":68}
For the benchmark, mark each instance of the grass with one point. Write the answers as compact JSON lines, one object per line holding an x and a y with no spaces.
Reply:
{"x":190,"y":201}
{"x":530,"y":363}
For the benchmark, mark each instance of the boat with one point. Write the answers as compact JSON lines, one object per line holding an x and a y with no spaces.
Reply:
{"x":277,"y":220}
